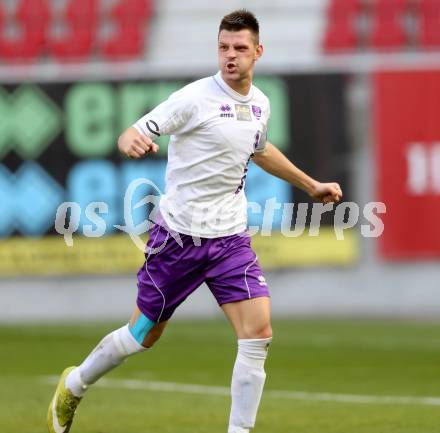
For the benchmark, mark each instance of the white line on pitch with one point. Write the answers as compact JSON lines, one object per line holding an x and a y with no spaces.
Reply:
{"x":187,"y":388}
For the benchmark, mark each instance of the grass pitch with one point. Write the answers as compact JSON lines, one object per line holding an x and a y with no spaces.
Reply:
{"x":323,"y":358}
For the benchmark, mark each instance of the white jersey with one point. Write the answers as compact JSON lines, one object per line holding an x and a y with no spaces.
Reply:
{"x":214,"y":133}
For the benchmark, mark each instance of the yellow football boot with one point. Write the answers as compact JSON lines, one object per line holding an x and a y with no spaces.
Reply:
{"x":62,"y":407}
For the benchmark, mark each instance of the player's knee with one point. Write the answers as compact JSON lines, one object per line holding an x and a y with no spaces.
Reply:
{"x":265,"y":332}
{"x":257,"y":331}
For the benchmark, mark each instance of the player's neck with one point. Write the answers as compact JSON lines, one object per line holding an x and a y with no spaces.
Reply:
{"x":240,"y":86}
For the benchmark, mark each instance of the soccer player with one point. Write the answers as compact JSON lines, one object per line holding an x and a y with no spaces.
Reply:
{"x":217,"y":125}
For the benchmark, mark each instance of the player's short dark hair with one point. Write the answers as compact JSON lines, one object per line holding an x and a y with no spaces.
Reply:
{"x":241,"y":19}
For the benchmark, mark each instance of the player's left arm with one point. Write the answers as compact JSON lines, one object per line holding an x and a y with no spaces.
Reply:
{"x":274,"y":162}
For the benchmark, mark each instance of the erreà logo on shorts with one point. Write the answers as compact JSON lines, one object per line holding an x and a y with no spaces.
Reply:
{"x":262,"y":281}
{"x":226,"y":111}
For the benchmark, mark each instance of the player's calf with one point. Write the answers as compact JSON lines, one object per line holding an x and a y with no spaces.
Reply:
{"x":112,"y":351}
{"x":248,"y":379}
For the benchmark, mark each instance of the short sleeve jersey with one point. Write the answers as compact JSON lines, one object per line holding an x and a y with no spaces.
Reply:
{"x":214,"y":132}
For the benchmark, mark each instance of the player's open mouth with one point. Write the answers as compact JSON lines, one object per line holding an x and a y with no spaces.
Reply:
{"x":231,"y":67}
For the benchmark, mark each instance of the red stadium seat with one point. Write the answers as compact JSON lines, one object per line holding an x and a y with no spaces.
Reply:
{"x":81,"y":18}
{"x":132,"y":10}
{"x":132,"y":21}
{"x":34,"y":17}
{"x":387,"y":27}
{"x":2,"y":20}
{"x":429,"y":12}
{"x":128,"y":44}
{"x":341,"y":33}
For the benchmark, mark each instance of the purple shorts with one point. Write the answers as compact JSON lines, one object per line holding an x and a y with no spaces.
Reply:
{"x":175,"y":266}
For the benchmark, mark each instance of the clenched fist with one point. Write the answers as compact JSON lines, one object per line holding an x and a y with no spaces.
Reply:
{"x":326,"y":192}
{"x":136,"y":145}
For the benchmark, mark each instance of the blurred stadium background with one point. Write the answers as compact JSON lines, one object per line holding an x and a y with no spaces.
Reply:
{"x":355,"y":93}
{"x":354,"y":89}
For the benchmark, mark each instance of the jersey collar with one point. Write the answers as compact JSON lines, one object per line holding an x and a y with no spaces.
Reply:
{"x":230,"y":91}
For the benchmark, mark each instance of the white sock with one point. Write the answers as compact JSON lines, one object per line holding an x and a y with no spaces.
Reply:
{"x":235,"y":429}
{"x":108,"y":354}
{"x":247,"y":383}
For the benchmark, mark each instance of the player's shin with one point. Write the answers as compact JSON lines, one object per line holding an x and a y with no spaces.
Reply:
{"x":108,"y":354}
{"x":248,"y":379}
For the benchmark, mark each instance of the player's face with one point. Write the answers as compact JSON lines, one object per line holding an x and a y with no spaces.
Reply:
{"x":237,"y":54}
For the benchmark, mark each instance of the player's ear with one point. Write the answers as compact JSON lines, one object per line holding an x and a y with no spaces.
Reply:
{"x":258,"y":52}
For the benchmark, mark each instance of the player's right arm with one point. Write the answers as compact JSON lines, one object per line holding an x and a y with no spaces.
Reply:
{"x":134,"y":144}
{"x":177,"y":115}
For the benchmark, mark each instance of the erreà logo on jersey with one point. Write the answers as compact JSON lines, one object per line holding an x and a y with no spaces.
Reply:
{"x":226,"y":111}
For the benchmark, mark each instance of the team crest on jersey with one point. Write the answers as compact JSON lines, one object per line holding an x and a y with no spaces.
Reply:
{"x":226,"y":111}
{"x":257,"y":111}
{"x":243,"y":112}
